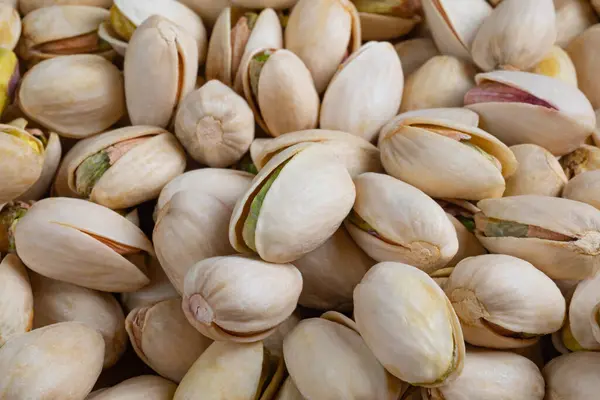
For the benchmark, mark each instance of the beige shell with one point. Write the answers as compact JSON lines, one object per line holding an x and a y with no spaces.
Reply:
{"x":539,"y":172}
{"x":274,"y":342}
{"x":557,"y":64}
{"x":160,"y":69}
{"x":304,"y":206}
{"x":584,"y":188}
{"x":586,"y":63}
{"x":585,"y":158}
{"x":572,"y":376}
{"x":52,"y":157}
{"x":578,"y":258}
{"x":289,"y":391}
{"x":27,"y":6}
{"x":10,"y":30}
{"x":442,"y":81}
{"x":56,"y":301}
{"x":145,"y":387}
{"x":95,"y":236}
{"x":159,"y":289}
{"x":572,"y":18}
{"x":322,"y":34}
{"x":60,"y":361}
{"x":468,"y":245}
{"x":385,"y":27}
{"x":76,"y":96}
{"x":414,"y":53}
{"x":582,"y":322}
{"x":16,"y":299}
{"x":225,"y":297}
{"x":365,"y":93}
{"x":276,"y":4}
{"x":596,"y":133}
{"x":208,"y":10}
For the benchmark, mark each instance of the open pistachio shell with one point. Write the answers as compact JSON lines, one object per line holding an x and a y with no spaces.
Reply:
{"x":573,"y":376}
{"x":9,"y":80}
{"x":10,"y":30}
{"x":159,"y":289}
{"x":289,"y":391}
{"x":145,"y":387}
{"x":557,"y":64}
{"x":406,"y":320}
{"x":542,"y":109}
{"x":27,"y":6}
{"x":60,"y":361}
{"x":100,"y":243}
{"x":16,"y":299}
{"x":584,"y":188}
{"x":323,"y":34}
{"x":560,"y":237}
{"x":10,"y":214}
{"x":572,"y":18}
{"x":52,"y":157}
{"x":295,"y":203}
{"x":160,"y":69}
{"x":387,"y":19}
{"x":362,"y":106}
{"x":468,"y":245}
{"x":581,"y":50}
{"x":585,"y":158}
{"x":415,"y":52}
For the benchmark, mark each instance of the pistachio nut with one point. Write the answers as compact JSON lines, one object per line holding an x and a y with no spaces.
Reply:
{"x":362,"y":106}
{"x":9,"y":77}
{"x":542,"y":109}
{"x":228,"y":370}
{"x":329,"y":360}
{"x":27,"y":6}
{"x":162,"y":337}
{"x":492,"y":375}
{"x":585,"y":158}
{"x":55,"y":301}
{"x":572,"y":18}
{"x":276,"y":80}
{"x":224,"y":298}
{"x":215,"y":125}
{"x":105,"y":252}
{"x":159,"y":289}
{"x":387,"y":19}
{"x":454,"y":24}
{"x":60,"y":361}
{"x":145,"y":387}
{"x":289,"y":391}
{"x":295,"y":203}
{"x":558,"y":236}
{"x":414,"y":53}
{"x":121,"y":168}
{"x":539,"y":172}
{"x":444,"y":158}
{"x":16,"y":299}
{"x":442,"y":81}
{"x":582,"y":52}
{"x":584,"y":188}
{"x":406,"y":319}
{"x":274,"y":342}
{"x":557,"y":64}
{"x":208,"y":10}
{"x":76,"y":96}
{"x":10,"y":26}
{"x":323,"y":34}
{"x":10,"y":214}
{"x":160,"y":69}
{"x":572,"y":376}
{"x":356,"y":153}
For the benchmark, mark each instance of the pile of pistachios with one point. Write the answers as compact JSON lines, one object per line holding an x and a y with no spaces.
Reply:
{"x":299,"y":200}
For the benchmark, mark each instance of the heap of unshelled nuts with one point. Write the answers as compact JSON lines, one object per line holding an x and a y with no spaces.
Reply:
{"x":299,"y":199}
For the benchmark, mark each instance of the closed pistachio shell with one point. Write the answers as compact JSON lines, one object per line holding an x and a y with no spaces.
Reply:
{"x":11,"y":26}
{"x":414,"y":53}
{"x":145,"y":387}
{"x":289,"y":391}
{"x":572,"y":376}
{"x":27,"y":6}
{"x":16,"y":299}
{"x":52,"y":157}
{"x":557,"y":64}
{"x":586,"y":62}
{"x":539,"y":172}
{"x":584,"y":188}
{"x":274,"y":342}
{"x":159,"y":289}
{"x":384,"y":19}
{"x":60,"y":361}
{"x":572,"y":18}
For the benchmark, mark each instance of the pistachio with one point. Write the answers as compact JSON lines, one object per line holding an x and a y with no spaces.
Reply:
{"x":557,"y":64}
{"x":16,"y":299}
{"x":274,"y":342}
{"x":10,"y":213}
{"x":585,"y":158}
{"x":572,"y":376}
{"x":145,"y":387}
{"x":572,"y":18}
{"x":414,"y":53}
{"x":10,"y":28}
{"x":9,"y":74}
{"x":159,"y":289}
{"x":581,"y":50}
{"x":208,"y":10}
{"x":289,"y":391}
{"x":387,"y":19}
{"x":27,"y":6}
{"x":584,"y":188}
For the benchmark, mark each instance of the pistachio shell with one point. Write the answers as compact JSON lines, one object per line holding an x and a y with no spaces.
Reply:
{"x":572,"y":376}
{"x":596,"y":133}
{"x":145,"y":387}
{"x":16,"y":300}
{"x":414,"y":53}
{"x":557,"y":64}
{"x":208,"y":10}
{"x":584,"y":188}
{"x":539,"y":172}
{"x":159,"y":289}
{"x":52,"y":156}
{"x":27,"y":6}
{"x":585,"y":158}
{"x":274,"y":342}
{"x":276,"y":4}
{"x":10,"y":30}
{"x":572,"y":18}
{"x":289,"y":391}
{"x":586,"y":63}
{"x":468,"y":245}
{"x":385,"y":27}
{"x":583,"y":323}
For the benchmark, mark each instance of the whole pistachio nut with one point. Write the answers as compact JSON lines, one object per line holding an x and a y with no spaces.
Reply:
{"x":121,"y":168}
{"x":558,"y":236}
{"x":328,"y":360}
{"x":406,"y":320}
{"x":442,"y":81}
{"x":228,"y":370}
{"x":162,"y":337}
{"x":56,"y":301}
{"x":27,"y":6}
{"x":295,"y":203}
{"x":323,"y":34}
{"x":444,"y":158}
{"x":10,"y":26}
{"x":159,"y":289}
{"x":581,"y":50}
{"x":557,"y":64}
{"x":274,"y":342}
{"x":16,"y":299}
{"x":238,"y":298}
{"x":539,"y":172}
{"x":208,"y":10}
{"x":145,"y":387}
{"x":160,"y":69}
{"x":362,"y":106}
{"x":414,"y":53}
{"x":572,"y":376}
{"x":387,"y":19}
{"x":215,"y":125}
{"x":9,"y":77}
{"x":585,"y":158}
{"x":289,"y":391}
{"x":572,"y":18}
{"x":83,"y":243}
{"x":280,"y":90}
{"x":542,"y":109}
{"x":60,"y":361}
{"x":76,"y":96}
{"x":10,"y":214}
{"x":584,"y":188}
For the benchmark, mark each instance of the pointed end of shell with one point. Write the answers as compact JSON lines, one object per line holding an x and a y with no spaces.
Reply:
{"x":200,"y":309}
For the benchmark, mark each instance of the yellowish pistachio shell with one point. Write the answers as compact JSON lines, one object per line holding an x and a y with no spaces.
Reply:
{"x":145,"y":387}
{"x":10,"y":26}
{"x":586,"y":62}
{"x":26,"y":6}
{"x":557,"y":64}
{"x":52,"y":157}
{"x":16,"y":299}
{"x":584,"y":188}
{"x":583,"y":322}
{"x":385,"y":27}
{"x":572,"y":376}
{"x":572,"y":18}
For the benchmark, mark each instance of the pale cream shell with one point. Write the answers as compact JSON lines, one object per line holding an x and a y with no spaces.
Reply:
{"x":586,"y":63}
{"x":159,"y":289}
{"x":585,"y":188}
{"x":415,"y":52}
{"x":468,"y":245}
{"x":52,"y":157}
{"x":573,"y":17}
{"x":26,"y":6}
{"x":573,"y":376}
{"x":16,"y":299}
{"x":385,"y":27}
{"x":11,"y":26}
{"x":583,"y":309}
{"x":145,"y":387}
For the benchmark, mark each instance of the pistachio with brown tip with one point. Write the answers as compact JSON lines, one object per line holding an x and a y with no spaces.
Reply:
{"x":387,"y":19}
{"x":27,"y":6}
{"x":16,"y":299}
{"x":414,"y":53}
{"x":145,"y":387}
{"x":10,"y":26}
{"x":572,"y":376}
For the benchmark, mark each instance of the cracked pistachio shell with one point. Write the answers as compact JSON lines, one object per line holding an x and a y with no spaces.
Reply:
{"x":56,"y":301}
{"x":322,"y":34}
{"x":403,"y":16}
{"x":585,"y":158}
{"x":493,"y":375}
{"x":581,"y":49}
{"x":517,"y":35}
{"x":539,"y":172}
{"x":566,"y":110}
{"x":208,"y":10}
{"x":329,"y":360}
{"x":572,"y":18}
{"x":414,"y":53}
{"x":305,"y":202}
{"x":16,"y":299}
{"x":585,"y":188}
{"x":468,"y":245}
{"x":289,"y":391}
{"x":160,"y":69}
{"x":406,"y":320}
{"x":504,"y":302}
{"x":571,"y":249}
{"x":441,"y":166}
{"x":10,"y":30}
{"x":228,"y":370}
{"x":137,"y":176}
{"x":557,"y":64}
{"x":162,"y":337}
{"x":573,"y":376}
{"x":102,"y":245}
{"x":386,"y":207}
{"x":76,"y":96}
{"x":159,"y":289}
{"x":60,"y":361}
{"x":362,"y":106}
{"x":454,"y":24}
{"x":27,"y":6}
{"x":238,"y":298}
{"x":145,"y":387}
{"x":357,"y":154}
{"x":215,"y":125}
{"x":442,"y":81}
{"x":582,"y":330}
{"x":52,"y":157}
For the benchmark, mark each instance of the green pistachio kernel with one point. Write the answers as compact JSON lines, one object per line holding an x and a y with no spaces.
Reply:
{"x":90,"y":171}
{"x":121,"y":24}
{"x":255,"y":68}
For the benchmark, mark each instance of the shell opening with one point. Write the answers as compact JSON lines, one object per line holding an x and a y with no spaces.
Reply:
{"x":269,"y":369}
{"x":463,"y":215}
{"x":32,"y":141}
{"x":89,"y":43}
{"x":355,"y":219}
{"x":586,"y":158}
{"x":396,"y":8}
{"x":120,"y":24}
{"x":492,"y":227}
{"x":240,"y":35}
{"x":200,"y":309}
{"x":246,"y":164}
{"x":9,"y":216}
{"x":254,"y":70}
{"x":495,"y":92}
{"x":119,"y":248}
{"x":137,"y":328}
